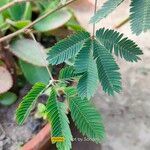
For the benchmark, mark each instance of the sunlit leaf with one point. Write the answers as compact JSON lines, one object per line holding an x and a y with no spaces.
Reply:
{"x":29,"y":51}
{"x":53,"y":21}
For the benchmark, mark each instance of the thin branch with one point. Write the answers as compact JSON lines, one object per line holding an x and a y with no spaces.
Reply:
{"x":120,"y":24}
{"x":12,"y":3}
{"x":34,"y":22}
{"x":42,"y":56}
{"x":95,"y":7}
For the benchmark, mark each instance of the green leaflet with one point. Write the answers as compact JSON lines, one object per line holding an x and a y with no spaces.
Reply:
{"x":140,"y":16}
{"x":66,"y":145}
{"x":67,"y":48}
{"x":82,"y":58}
{"x":70,"y":91}
{"x":102,"y":66}
{"x":67,"y":73}
{"x":28,"y":102}
{"x":106,"y":9}
{"x":123,"y":47}
{"x":107,"y":69}
{"x":88,"y":82}
{"x":87,"y":119}
{"x":56,"y":112}
{"x":85,"y":64}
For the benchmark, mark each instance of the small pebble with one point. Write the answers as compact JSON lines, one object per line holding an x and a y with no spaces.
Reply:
{"x":35,"y":125}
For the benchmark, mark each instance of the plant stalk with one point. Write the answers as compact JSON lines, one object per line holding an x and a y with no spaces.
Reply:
{"x":94,"y":24}
{"x":120,"y":24}
{"x":46,"y":65}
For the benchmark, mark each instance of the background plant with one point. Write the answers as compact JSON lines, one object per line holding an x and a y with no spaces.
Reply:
{"x":16,"y":17}
{"x":93,"y":63}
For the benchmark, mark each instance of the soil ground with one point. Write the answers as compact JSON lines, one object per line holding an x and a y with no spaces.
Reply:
{"x":12,"y":136}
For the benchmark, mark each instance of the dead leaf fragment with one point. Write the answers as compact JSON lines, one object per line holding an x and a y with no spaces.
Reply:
{"x":6,"y":81}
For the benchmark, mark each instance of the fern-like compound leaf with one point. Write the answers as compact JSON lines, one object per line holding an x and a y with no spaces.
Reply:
{"x":140,"y":16}
{"x":108,"y":70}
{"x":113,"y":41}
{"x":87,"y":119}
{"x":67,"y":48}
{"x":81,"y":61}
{"x":70,"y":91}
{"x":67,"y":73}
{"x":88,"y":82}
{"x":28,"y":102}
{"x":66,"y":145}
{"x":106,"y":9}
{"x":56,"y":113}
{"x":85,"y":64}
